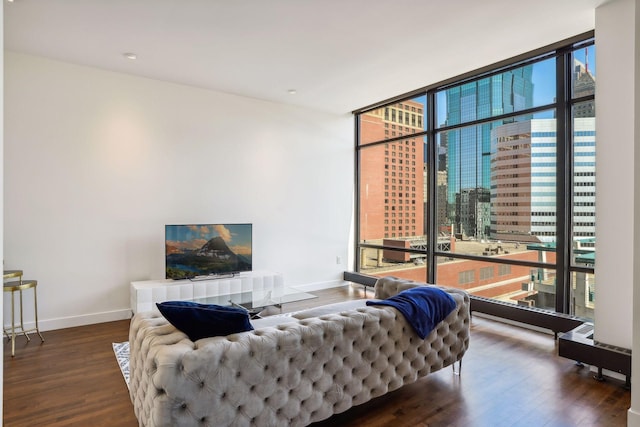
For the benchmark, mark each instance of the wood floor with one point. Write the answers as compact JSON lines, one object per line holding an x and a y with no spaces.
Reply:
{"x":510,"y":377}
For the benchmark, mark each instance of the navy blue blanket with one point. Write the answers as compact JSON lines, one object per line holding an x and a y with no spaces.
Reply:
{"x":423,"y":307}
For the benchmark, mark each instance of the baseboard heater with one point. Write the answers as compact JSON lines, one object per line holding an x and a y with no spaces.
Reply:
{"x":578,"y":344}
{"x":556,"y":322}
{"x":362,"y":279}
{"x":575,"y":341}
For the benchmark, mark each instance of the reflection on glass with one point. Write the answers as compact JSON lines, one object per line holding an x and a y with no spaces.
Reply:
{"x":392,"y":193}
{"x":403,"y":118}
{"x":583,"y":290}
{"x":512,"y":91}
{"x":583,"y":249}
{"x":583,"y":76}
{"x":497,"y":186}
{"x":584,"y":181}
{"x":387,"y":262}
{"x":515,"y":284}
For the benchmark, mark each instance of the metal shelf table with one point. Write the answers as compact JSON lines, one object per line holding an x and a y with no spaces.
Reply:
{"x":13,"y":283}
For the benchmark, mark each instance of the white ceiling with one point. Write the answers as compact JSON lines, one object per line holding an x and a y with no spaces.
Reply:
{"x":339,"y":55}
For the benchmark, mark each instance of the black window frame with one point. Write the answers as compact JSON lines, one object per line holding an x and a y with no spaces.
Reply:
{"x":563,"y":105}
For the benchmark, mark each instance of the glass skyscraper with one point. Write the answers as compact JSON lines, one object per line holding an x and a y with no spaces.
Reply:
{"x":469,"y":148}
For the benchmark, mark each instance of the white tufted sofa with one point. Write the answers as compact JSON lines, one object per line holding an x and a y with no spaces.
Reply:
{"x":292,"y":370}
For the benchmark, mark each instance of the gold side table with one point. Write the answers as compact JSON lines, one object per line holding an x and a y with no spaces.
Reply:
{"x":20,"y":285}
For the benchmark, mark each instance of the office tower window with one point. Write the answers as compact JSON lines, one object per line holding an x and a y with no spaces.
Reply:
{"x":494,"y":175}
{"x":504,"y":270}
{"x":465,"y":277}
{"x":486,"y":273}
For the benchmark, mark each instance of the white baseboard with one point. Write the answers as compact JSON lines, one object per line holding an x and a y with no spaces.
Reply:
{"x":110,"y":316}
{"x":73,"y":321}
{"x":633,"y":418}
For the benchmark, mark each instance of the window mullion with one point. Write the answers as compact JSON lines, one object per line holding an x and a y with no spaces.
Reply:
{"x":356,"y":258}
{"x":498,"y":160}
{"x":563,"y":193}
{"x":432,"y":171}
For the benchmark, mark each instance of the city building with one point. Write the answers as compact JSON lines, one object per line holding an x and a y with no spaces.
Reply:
{"x":469,"y":148}
{"x":523,"y":172}
{"x":392,"y":174}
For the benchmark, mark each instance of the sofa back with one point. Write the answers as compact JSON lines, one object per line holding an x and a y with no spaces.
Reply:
{"x":290,"y":375}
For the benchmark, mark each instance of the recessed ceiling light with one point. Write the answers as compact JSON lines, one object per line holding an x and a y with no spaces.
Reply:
{"x":130,"y":55}
{"x":292,"y":91}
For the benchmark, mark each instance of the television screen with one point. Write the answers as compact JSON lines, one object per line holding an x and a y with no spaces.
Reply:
{"x":194,"y":250}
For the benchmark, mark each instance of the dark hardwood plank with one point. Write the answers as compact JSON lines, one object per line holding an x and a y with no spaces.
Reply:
{"x":510,"y":377}
{"x":72,"y":379}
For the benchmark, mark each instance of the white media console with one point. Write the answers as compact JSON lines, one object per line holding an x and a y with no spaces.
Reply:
{"x":145,"y":294}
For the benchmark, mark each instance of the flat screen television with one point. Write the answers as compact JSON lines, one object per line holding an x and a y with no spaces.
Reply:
{"x":202,"y":250}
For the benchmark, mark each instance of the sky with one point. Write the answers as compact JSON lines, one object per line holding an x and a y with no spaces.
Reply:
{"x":544,"y":84}
{"x":543,"y":77}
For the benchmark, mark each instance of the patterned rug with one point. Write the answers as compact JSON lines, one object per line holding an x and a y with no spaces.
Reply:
{"x":121,"y":350}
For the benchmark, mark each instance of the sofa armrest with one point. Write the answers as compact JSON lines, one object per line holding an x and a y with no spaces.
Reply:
{"x":389,"y":286}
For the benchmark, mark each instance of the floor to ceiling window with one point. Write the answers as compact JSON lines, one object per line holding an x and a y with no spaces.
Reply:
{"x":487,"y":183}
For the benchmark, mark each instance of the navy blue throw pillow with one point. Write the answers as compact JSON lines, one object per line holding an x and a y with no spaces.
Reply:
{"x":205,"y":320}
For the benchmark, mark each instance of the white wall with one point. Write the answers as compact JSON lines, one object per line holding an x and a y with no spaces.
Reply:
{"x":618,"y":97}
{"x":615,"y":191}
{"x":1,"y":189}
{"x":633,"y":418}
{"x":96,"y":163}
{"x":617,"y":313}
